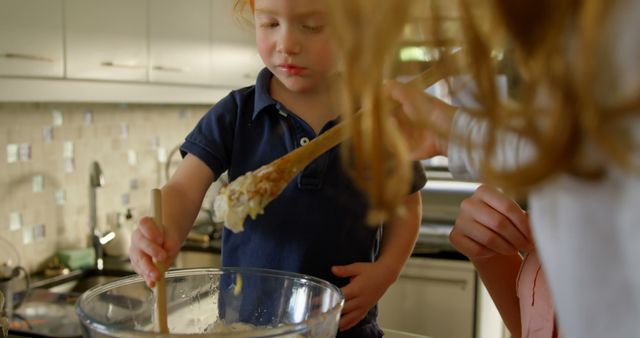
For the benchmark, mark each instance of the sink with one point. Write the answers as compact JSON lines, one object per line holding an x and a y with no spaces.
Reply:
{"x":49,"y":308}
{"x":46,"y":314}
{"x":82,"y":284}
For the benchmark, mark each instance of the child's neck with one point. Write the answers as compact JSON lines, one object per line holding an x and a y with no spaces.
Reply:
{"x":314,"y":106}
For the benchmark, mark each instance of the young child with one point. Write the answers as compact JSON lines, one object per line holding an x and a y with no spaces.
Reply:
{"x":317,"y":224}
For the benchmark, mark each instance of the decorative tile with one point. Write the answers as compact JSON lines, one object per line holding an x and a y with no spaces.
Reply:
{"x":39,"y":232}
{"x":47,"y":134}
{"x":15,"y":221}
{"x":12,"y":153}
{"x":88,"y":118}
{"x":69,"y":165}
{"x":37,"y":183}
{"x":132,"y":157}
{"x":67,"y":150}
{"x":58,"y":118}
{"x":125,"y":199}
{"x":61,"y":196}
{"x":24,"y":152}
{"x":27,"y":235}
{"x":124,"y":131}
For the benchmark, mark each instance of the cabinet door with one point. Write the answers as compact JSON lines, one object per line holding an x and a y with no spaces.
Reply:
{"x":179,"y":41}
{"x":106,"y":40}
{"x":31,"y":38}
{"x":235,"y":59}
{"x":432,"y":297}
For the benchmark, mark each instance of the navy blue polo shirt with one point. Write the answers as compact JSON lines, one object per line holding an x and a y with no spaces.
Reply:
{"x":318,"y":221}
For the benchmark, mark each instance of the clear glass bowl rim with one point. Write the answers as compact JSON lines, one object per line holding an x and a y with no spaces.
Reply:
{"x":94,"y":324}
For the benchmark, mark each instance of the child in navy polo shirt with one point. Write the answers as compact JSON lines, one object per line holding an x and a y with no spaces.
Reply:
{"x":317,"y":225}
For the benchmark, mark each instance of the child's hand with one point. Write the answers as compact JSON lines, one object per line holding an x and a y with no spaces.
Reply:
{"x":368,"y":283}
{"x":424,"y":119}
{"x":490,"y":223}
{"x":147,"y":243}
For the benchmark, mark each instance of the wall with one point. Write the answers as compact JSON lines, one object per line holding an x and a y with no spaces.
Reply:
{"x":44,"y":188}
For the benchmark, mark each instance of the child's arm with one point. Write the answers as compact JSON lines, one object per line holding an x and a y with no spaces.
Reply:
{"x":490,"y":229}
{"x":181,"y":200}
{"x":369,"y":281}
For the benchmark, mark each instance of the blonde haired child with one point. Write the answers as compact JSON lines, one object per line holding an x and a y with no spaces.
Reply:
{"x":317,"y":225}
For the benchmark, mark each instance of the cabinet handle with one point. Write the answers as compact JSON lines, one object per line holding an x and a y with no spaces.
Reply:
{"x":120,"y":65}
{"x":30,"y":57}
{"x":462,"y":283}
{"x":171,"y":69}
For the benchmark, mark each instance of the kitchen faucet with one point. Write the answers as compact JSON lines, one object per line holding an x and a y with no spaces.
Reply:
{"x":96,"y":180}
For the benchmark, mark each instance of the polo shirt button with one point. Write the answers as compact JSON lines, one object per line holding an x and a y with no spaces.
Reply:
{"x":304,"y":141}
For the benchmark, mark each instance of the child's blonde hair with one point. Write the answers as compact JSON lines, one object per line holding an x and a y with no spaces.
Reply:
{"x":243,"y":9}
{"x":575,"y":115}
{"x":559,"y":48}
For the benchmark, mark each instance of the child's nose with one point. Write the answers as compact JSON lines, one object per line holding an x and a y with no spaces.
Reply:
{"x":289,"y":43}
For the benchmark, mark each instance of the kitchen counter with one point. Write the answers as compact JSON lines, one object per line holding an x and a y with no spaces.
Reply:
{"x":420,"y":250}
{"x":214,"y":246}
{"x":113,"y":266}
{"x":400,"y":334}
{"x":122,"y":267}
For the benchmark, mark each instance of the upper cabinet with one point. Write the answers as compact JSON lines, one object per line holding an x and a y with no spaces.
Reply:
{"x":31,"y":42}
{"x":234,"y":56}
{"x":180,"y":41}
{"x":124,"y":50}
{"x":106,"y":40}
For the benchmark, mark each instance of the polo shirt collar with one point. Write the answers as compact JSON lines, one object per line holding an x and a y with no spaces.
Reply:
{"x":262,"y":97}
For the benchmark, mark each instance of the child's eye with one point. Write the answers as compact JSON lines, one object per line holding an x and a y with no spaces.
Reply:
{"x":270,"y":24}
{"x":313,"y":28}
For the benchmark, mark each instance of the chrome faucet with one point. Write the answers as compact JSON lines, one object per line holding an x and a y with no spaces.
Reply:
{"x":96,"y":180}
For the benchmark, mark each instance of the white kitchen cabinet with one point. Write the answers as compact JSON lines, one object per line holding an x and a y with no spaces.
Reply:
{"x":180,"y":41}
{"x":432,"y":297}
{"x":106,"y":40}
{"x":234,"y":56}
{"x":138,"y":51}
{"x":31,"y":38}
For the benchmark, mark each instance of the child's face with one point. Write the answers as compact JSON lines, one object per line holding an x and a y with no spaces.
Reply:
{"x":294,"y":42}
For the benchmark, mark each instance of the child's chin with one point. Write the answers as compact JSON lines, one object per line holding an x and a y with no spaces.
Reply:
{"x":298,"y":86}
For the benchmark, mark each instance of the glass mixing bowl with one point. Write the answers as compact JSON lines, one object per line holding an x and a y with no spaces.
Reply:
{"x":227,"y":302}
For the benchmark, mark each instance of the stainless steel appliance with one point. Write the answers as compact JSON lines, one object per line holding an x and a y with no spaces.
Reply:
{"x":441,"y":198}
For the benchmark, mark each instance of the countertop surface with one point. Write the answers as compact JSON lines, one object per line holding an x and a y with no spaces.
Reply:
{"x":426,"y":250}
{"x":400,"y":334}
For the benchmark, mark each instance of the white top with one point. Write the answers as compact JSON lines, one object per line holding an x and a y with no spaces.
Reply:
{"x":587,"y":233}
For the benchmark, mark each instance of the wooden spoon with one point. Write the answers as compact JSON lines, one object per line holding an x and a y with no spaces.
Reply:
{"x":159,"y":290}
{"x":248,"y":194}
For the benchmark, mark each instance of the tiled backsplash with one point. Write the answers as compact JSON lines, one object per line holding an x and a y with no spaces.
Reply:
{"x":44,"y":171}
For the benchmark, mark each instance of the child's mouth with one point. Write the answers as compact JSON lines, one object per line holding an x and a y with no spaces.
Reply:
{"x":291,"y":69}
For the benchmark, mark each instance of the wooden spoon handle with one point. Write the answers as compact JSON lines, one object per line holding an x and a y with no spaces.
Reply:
{"x":160,"y":288}
{"x":300,"y":157}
